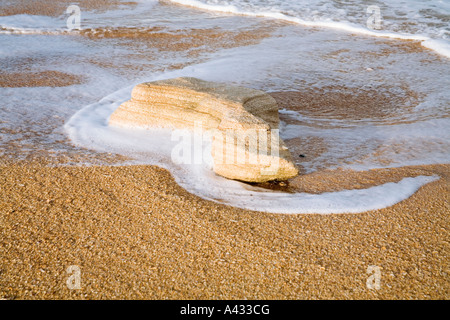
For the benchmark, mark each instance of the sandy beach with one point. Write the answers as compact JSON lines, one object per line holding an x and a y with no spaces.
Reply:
{"x":133,"y":233}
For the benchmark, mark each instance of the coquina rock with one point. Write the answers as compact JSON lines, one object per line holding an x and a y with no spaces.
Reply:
{"x":244,"y":124}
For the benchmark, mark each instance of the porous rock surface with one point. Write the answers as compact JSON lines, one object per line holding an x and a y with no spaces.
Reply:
{"x":244,"y":123}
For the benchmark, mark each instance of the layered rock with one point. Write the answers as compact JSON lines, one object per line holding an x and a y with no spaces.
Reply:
{"x":244,"y":123}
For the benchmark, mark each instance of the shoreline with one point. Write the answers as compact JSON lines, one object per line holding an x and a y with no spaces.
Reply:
{"x":134,"y":233}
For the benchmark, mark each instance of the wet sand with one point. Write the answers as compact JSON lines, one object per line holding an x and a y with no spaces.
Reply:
{"x":38,"y":79}
{"x":343,"y":103}
{"x":55,"y":8}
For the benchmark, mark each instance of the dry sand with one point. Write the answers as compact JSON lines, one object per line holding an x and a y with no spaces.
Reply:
{"x":134,"y":233}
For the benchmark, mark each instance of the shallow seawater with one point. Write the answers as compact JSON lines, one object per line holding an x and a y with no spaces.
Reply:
{"x":351,"y":100}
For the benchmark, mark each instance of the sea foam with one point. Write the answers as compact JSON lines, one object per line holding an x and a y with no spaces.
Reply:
{"x":330,"y":18}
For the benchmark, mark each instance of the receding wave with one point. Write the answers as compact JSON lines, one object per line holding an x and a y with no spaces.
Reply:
{"x":101,"y":32}
{"x":438,"y":45}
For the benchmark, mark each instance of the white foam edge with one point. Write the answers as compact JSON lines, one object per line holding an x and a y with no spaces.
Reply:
{"x":435,"y":45}
{"x":346,"y":201}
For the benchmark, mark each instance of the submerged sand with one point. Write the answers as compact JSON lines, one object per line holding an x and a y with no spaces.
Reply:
{"x":38,"y":79}
{"x":56,"y":7}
